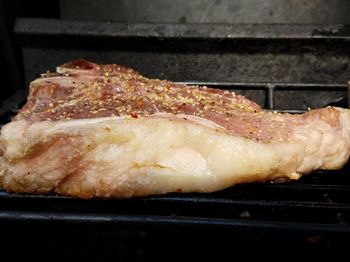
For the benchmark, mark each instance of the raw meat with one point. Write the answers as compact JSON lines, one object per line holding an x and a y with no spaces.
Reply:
{"x":94,"y":130}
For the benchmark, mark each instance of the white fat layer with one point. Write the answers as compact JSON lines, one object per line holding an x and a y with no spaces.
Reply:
{"x":123,"y":156}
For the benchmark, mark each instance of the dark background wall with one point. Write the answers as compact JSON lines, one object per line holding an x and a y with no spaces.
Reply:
{"x":209,"y":11}
{"x":11,"y":70}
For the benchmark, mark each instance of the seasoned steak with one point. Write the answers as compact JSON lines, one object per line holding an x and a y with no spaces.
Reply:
{"x":92,"y":130}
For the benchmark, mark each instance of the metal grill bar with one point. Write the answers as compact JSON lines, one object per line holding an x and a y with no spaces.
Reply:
{"x":91,"y":29}
{"x":51,"y":217}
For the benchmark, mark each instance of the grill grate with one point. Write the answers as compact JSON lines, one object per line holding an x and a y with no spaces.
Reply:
{"x":317,"y":203}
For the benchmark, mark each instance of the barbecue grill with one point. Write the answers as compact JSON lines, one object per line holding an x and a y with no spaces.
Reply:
{"x":287,"y":68}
